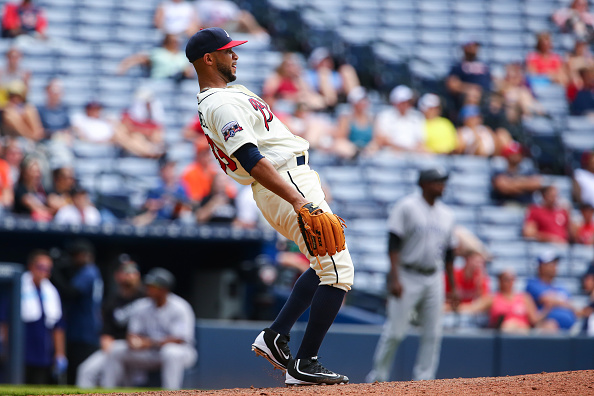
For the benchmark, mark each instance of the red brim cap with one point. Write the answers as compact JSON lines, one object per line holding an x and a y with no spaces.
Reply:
{"x":232,"y":43}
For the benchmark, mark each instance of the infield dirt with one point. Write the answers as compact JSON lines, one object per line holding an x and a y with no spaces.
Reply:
{"x":562,"y":383}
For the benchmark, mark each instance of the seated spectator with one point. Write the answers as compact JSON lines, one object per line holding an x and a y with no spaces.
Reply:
{"x":553,"y":301}
{"x":160,"y":336}
{"x":543,"y":65}
{"x":287,"y":86}
{"x":469,"y":74}
{"x":30,"y":198}
{"x":169,"y":201}
{"x":6,"y":184}
{"x":143,"y":124}
{"x":13,"y":155}
{"x":576,"y":19}
{"x":12,"y":71}
{"x":54,"y":115}
{"x":508,"y":311}
{"x":218,"y":206}
{"x":579,"y":58}
{"x":475,"y":138}
{"x":166,"y":61}
{"x":41,"y":311}
{"x":93,"y":126}
{"x":197,"y":177}
{"x":440,"y":134}
{"x":20,"y":118}
{"x":24,"y":18}
{"x":80,"y":212}
{"x":117,"y":312}
{"x":583,"y":104}
{"x":176,"y":17}
{"x":519,"y":99}
{"x":333,"y":83}
{"x":472,"y":281}
{"x":227,"y":15}
{"x":400,"y":128}
{"x":548,"y":222}
{"x":583,"y":231}
{"x":316,"y":127}
{"x":354,"y":132}
{"x":583,"y":180}
{"x":248,"y":214}
{"x":514,"y":185}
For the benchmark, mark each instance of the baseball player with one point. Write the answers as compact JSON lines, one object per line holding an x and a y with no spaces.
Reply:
{"x":254,"y":147}
{"x":420,"y":240}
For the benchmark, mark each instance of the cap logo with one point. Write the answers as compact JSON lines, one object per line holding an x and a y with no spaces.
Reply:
{"x":226,"y":33}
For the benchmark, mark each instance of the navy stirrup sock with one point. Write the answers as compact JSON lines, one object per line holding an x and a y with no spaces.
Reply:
{"x":324,"y":308}
{"x":299,"y":300}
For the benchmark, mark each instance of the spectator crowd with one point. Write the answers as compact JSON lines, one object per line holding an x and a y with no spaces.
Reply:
{"x":319,"y":96}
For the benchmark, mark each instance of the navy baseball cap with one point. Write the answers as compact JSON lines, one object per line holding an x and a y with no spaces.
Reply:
{"x":433,"y":174}
{"x":160,"y":277}
{"x":209,"y":40}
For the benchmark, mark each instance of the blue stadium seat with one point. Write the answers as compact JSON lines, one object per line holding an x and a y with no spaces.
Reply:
{"x":492,"y":232}
{"x":434,"y":21}
{"x":133,"y":166}
{"x":406,"y":20}
{"x":511,"y":216}
{"x":580,"y":123}
{"x":350,"y":192}
{"x":92,"y":150}
{"x":516,"y":250}
{"x":470,"y":164}
{"x":388,"y":194}
{"x":578,"y":140}
{"x":464,"y":214}
{"x":478,"y":181}
{"x":469,"y":21}
{"x":499,"y":265}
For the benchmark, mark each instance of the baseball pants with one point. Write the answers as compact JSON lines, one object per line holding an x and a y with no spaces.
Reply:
{"x":426,"y":293}
{"x":334,"y":270}
{"x":89,"y":373}
{"x":171,"y":358}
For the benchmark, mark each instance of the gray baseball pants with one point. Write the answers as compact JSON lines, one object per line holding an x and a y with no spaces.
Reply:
{"x":426,"y":293}
{"x":171,"y":358}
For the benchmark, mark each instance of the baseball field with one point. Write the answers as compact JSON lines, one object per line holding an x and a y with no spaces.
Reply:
{"x":576,"y":383}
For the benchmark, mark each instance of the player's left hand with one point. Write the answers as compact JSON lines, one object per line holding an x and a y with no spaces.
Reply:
{"x":323,"y":232}
{"x":454,"y":298}
{"x":60,"y":365}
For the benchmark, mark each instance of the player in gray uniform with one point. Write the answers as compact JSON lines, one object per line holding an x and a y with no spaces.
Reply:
{"x":160,"y":335}
{"x":420,"y":240}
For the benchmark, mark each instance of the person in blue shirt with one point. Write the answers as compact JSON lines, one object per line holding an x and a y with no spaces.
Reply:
{"x":168,"y":201}
{"x":468,"y":75}
{"x":53,"y":114}
{"x":41,"y":312}
{"x":81,"y":287}
{"x":554,"y":300}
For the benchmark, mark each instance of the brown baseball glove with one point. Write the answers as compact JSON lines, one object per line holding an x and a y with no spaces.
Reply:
{"x":323,"y":232}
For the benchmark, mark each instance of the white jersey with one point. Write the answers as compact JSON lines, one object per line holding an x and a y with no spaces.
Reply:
{"x":174,"y":319}
{"x":234,"y":116}
{"x":426,"y":231}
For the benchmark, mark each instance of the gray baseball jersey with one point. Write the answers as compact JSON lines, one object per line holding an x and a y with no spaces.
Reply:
{"x":174,"y":319}
{"x":426,"y":231}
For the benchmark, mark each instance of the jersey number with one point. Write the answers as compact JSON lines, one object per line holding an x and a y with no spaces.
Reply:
{"x":223,"y":158}
{"x":266,"y":113}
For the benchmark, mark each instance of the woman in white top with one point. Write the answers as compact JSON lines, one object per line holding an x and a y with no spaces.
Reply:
{"x":583,"y":181}
{"x":474,"y":138}
{"x":177,"y":17}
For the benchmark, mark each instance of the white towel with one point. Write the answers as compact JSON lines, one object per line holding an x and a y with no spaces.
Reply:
{"x":30,"y":306}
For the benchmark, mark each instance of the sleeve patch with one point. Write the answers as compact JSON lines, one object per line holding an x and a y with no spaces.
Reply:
{"x":230,"y":129}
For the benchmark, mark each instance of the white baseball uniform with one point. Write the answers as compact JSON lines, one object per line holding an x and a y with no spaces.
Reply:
{"x":234,"y":116}
{"x":174,"y":319}
{"x":426,"y":232}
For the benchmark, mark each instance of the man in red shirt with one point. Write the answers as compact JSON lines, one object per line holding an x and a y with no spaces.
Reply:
{"x":471,"y":280}
{"x":548,"y":222}
{"x":24,"y":18}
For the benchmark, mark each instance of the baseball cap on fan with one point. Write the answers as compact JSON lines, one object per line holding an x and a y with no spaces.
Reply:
{"x":401,"y":93}
{"x":209,"y":40}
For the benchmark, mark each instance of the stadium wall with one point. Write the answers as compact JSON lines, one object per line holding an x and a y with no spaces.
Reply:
{"x":226,"y":360}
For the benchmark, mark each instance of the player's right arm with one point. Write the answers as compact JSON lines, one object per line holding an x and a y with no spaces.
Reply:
{"x":394,"y":246}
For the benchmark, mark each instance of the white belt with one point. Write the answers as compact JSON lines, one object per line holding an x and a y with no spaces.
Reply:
{"x":297,"y":160}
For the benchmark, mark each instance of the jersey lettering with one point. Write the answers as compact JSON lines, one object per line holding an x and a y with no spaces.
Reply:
{"x":266,"y":113}
{"x":223,"y":158}
{"x":202,"y":122}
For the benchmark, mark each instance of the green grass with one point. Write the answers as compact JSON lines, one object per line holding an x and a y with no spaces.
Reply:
{"x":22,"y":390}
